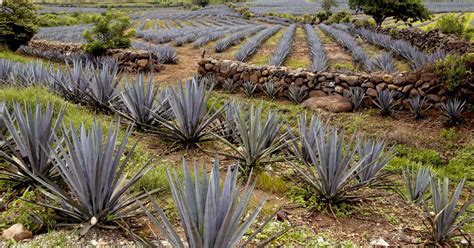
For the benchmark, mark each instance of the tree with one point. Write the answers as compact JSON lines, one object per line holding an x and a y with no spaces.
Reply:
{"x":401,"y":10}
{"x":17,"y":23}
{"x":328,"y":4}
{"x":202,"y":3}
{"x":111,"y":30}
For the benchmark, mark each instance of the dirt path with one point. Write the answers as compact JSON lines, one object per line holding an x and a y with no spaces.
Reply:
{"x":338,"y":58}
{"x":266,"y":50}
{"x":299,"y":56}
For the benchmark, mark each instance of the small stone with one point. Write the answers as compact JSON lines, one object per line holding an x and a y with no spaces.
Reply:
{"x":433,"y":97}
{"x":351,"y":80}
{"x":142,"y":63}
{"x":371,"y":92}
{"x":339,"y":89}
{"x":392,"y":87}
{"x":414,"y":92}
{"x":381,"y":86}
{"x":317,"y":93}
{"x":17,"y":232}
{"x":368,"y":85}
{"x":425,"y":86}
{"x":407,"y":88}
{"x":94,"y":242}
{"x":379,"y":242}
{"x":299,"y":81}
{"x":387,"y":78}
{"x":208,"y":66}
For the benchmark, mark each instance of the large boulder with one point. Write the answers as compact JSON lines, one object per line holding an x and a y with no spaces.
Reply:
{"x":331,"y":103}
{"x":17,"y":232}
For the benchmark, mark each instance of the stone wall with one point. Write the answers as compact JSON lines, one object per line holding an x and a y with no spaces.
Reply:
{"x":129,"y":60}
{"x":431,"y":40}
{"x":328,"y":83}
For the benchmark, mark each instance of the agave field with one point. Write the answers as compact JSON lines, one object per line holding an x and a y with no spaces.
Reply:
{"x":93,"y":155}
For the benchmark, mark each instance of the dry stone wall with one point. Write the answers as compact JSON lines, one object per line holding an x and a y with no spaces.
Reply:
{"x":407,"y":84}
{"x":432,"y":40}
{"x":129,"y":60}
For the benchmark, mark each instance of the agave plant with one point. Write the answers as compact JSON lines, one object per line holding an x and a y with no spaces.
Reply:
{"x":211,"y":216}
{"x":444,"y":218}
{"x":257,"y":138}
{"x":271,"y":89}
{"x":227,"y":123}
{"x":356,"y":95}
{"x":308,"y":133}
{"x":297,"y":94}
{"x":74,"y":85}
{"x":417,"y":182}
{"x":374,"y":157}
{"x":417,"y":107}
{"x":452,"y":111}
{"x":332,"y":172}
{"x":140,"y":102}
{"x":93,"y":169}
{"x":230,"y":86}
{"x":192,"y":118}
{"x":103,"y":85}
{"x":386,"y":102}
{"x":32,"y":135}
{"x":249,"y":88}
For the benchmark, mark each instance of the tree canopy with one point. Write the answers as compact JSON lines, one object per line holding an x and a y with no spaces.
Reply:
{"x":401,"y":10}
{"x":111,"y":30}
{"x":17,"y":23}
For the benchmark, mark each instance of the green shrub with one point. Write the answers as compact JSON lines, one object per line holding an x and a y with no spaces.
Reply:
{"x":271,"y":183}
{"x":451,"y":24}
{"x":17,"y":23}
{"x":455,"y":70}
{"x":364,"y":23}
{"x":418,"y":155}
{"x":462,"y":166}
{"x":111,"y":31}
{"x":340,"y":17}
{"x":322,"y":15}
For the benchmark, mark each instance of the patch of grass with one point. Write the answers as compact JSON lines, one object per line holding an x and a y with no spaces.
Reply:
{"x":7,"y":54}
{"x":261,"y":57}
{"x":297,"y":60}
{"x":427,"y":157}
{"x":271,"y":183}
{"x":156,"y":178}
{"x":343,"y":65}
{"x":461,"y":166}
{"x":50,"y":239}
{"x":448,"y":137}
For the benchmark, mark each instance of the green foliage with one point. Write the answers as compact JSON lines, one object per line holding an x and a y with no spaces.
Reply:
{"x":448,"y":137}
{"x":111,"y":31}
{"x":34,"y":217}
{"x":271,"y":183}
{"x":451,"y":24}
{"x":322,"y":15}
{"x":340,"y":17}
{"x":64,"y":19}
{"x":304,"y":197}
{"x":17,"y":23}
{"x":400,"y":10}
{"x":326,"y":5}
{"x":427,"y":157}
{"x":461,"y":166}
{"x":156,"y":178}
{"x":455,"y":70}
{"x":14,"y":57}
{"x":202,"y":3}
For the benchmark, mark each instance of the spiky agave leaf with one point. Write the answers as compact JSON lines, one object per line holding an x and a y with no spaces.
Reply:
{"x":356,"y":95}
{"x":140,"y":101}
{"x":7,"y":68}
{"x":271,"y":89}
{"x":374,"y":157}
{"x":445,"y":219}
{"x":230,"y":86}
{"x":386,"y":102}
{"x":417,"y":182}
{"x":74,"y":84}
{"x":452,"y":111}
{"x":102,"y":89}
{"x":308,"y":131}
{"x":297,"y":94}
{"x":192,"y":118}
{"x":332,"y":172}
{"x":417,"y":107}
{"x":93,"y":168}
{"x":32,"y":132}
{"x":211,"y":216}
{"x":227,"y":122}
{"x":249,"y":88}
{"x":257,"y":138}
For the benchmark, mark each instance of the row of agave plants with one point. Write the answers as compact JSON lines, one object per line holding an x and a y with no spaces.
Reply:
{"x":82,"y":171}
{"x":387,"y":101}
